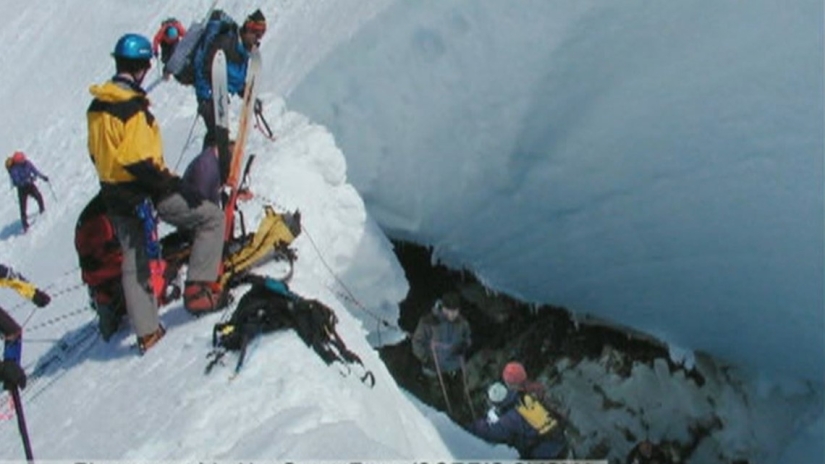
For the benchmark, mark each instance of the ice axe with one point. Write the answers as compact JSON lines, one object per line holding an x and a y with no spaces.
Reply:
{"x":54,"y":196}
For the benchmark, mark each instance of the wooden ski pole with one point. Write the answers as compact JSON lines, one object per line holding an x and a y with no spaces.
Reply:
{"x":441,"y":379}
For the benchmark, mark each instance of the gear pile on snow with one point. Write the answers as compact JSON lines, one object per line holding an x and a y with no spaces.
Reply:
{"x":269,"y":305}
{"x":100,"y":258}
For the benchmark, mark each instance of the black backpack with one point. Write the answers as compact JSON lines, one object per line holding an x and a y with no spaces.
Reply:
{"x":269,"y":306}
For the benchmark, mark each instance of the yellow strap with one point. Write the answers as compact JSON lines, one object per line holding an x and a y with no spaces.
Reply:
{"x":226,"y":330}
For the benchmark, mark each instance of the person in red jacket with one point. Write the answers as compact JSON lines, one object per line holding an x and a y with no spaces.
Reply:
{"x":167,"y":37}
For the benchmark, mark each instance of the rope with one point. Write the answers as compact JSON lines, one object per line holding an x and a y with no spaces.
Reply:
{"x":346,"y":294}
{"x":56,"y":319}
{"x":187,"y":143}
{"x":68,"y":349}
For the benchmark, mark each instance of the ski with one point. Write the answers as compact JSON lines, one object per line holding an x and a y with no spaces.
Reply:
{"x":220,"y":100}
{"x":249,"y":96}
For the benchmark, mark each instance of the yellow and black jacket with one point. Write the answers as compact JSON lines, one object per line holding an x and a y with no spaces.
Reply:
{"x":8,"y":278}
{"x":126,"y":147}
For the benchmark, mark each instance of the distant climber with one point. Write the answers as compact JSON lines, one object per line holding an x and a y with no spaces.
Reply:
{"x":167,"y":37}
{"x":23,"y":174}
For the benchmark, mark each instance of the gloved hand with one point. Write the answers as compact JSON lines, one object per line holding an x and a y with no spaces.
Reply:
{"x":46,"y":178}
{"x":13,"y":350}
{"x":41,"y":298}
{"x":12,"y":375}
{"x":259,"y":106}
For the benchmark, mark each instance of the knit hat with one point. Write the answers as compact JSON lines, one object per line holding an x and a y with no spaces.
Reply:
{"x":514,"y":373}
{"x":451,"y":300}
{"x":18,"y":157}
{"x":256,"y":22}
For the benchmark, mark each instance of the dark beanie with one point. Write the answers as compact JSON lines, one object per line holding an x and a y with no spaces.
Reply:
{"x":451,"y":300}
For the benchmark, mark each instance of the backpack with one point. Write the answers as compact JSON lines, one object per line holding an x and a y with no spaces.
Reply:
{"x":97,"y":246}
{"x":269,"y":306}
{"x":100,"y":257}
{"x":536,"y":414}
{"x":196,"y":42}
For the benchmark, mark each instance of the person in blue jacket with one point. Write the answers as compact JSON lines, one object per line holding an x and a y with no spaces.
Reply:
{"x":505,"y":424}
{"x":223,"y":34}
{"x":23,"y":174}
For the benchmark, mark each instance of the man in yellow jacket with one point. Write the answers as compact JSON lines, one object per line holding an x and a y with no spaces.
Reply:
{"x":126,"y":149}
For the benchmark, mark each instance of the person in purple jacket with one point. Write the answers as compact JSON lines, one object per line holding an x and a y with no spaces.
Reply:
{"x":204,"y":174}
{"x":23,"y":174}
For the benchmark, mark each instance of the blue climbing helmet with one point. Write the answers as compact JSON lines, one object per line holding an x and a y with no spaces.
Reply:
{"x":133,"y":47}
{"x":172,"y":32}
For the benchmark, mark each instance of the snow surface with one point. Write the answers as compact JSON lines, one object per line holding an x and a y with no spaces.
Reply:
{"x":476,"y":130}
{"x":658,"y":165}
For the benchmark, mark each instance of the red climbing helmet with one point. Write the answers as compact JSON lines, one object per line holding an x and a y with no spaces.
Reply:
{"x":514,"y":373}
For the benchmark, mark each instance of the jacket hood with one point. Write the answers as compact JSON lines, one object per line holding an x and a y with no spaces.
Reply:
{"x":115,"y":90}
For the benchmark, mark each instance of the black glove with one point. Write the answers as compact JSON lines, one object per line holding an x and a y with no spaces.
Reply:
{"x":46,"y":178}
{"x":259,"y":106}
{"x":12,"y":375}
{"x":41,"y":299}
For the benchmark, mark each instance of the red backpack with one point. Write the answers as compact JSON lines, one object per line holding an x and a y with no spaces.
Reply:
{"x":98,"y":248}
